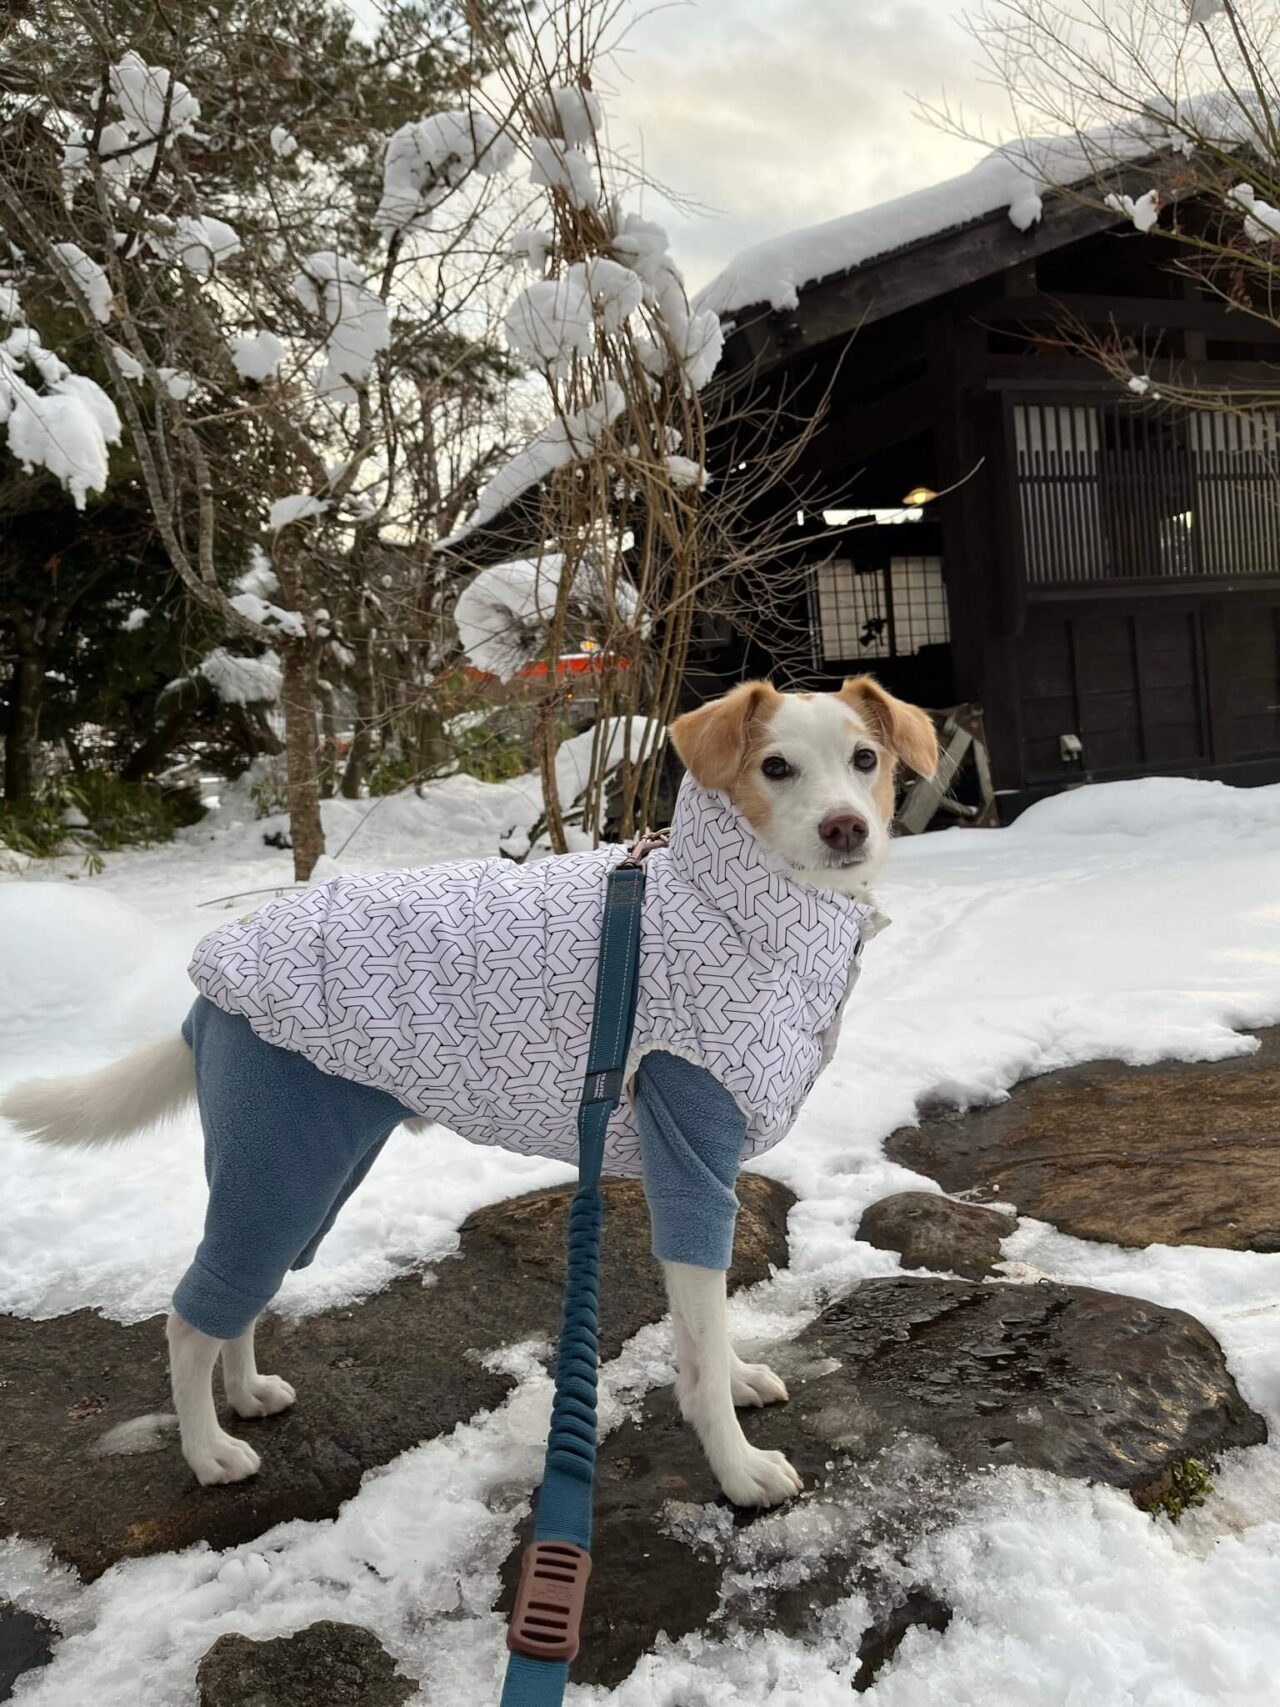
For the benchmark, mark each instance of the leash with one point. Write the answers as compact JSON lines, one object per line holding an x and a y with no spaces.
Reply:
{"x":543,"y":1634}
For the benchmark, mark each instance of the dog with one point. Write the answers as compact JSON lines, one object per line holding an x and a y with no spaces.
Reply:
{"x":462,"y":993}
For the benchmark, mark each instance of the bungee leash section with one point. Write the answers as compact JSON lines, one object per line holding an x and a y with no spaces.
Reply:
{"x":543,"y":1634}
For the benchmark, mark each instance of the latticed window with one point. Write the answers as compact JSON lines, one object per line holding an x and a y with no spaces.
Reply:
{"x":886,"y":612}
{"x":1111,"y":492}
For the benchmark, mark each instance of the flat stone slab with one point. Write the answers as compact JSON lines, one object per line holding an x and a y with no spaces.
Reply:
{"x":325,"y":1665}
{"x":1185,"y":1153}
{"x":373,"y":1380}
{"x":899,"y":1393}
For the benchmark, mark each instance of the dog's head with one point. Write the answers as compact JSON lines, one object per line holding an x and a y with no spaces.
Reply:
{"x":812,"y":773}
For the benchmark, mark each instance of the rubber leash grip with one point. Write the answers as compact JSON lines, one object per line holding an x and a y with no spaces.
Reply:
{"x":546,"y":1621}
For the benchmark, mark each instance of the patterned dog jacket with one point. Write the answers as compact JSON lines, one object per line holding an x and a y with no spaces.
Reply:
{"x":466,"y":990}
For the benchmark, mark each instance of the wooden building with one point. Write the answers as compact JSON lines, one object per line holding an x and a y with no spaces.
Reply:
{"x":1104,"y":580}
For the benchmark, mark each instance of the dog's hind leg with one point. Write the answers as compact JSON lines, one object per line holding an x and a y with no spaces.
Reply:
{"x":248,"y":1393}
{"x":213,"y":1454}
{"x":700,"y":1309}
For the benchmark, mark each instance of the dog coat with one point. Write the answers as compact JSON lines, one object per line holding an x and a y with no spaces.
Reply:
{"x":466,"y":990}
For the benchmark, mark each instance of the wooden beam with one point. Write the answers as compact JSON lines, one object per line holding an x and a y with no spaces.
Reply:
{"x":1159,"y":313}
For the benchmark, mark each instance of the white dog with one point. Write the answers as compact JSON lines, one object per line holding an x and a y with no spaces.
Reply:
{"x":463,"y":993}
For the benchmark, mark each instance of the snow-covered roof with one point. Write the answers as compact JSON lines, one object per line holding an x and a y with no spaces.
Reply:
{"x":1012,"y":180}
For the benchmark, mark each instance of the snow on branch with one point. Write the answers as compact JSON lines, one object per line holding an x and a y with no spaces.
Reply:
{"x":357,"y":327}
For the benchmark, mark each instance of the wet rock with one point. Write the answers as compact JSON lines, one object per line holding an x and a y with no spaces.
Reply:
{"x":899,"y":1392}
{"x":917,"y":1609}
{"x":26,"y":1641}
{"x":372,"y":1380}
{"x":338,"y":1665}
{"x":1185,"y":1153}
{"x":930,"y":1231}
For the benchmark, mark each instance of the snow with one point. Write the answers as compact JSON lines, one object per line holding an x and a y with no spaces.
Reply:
{"x":153,"y":104}
{"x":530,"y":248}
{"x":1011,"y":180}
{"x":615,"y":291}
{"x":1144,"y":211}
{"x":427,"y":160}
{"x":1135,"y":921}
{"x":135,"y":620}
{"x":66,"y":429}
{"x":573,"y":113}
{"x":256,"y":355}
{"x":556,"y":446}
{"x":128,"y":365}
{"x":1261,"y":220}
{"x":357,"y":326}
{"x":242,"y":681}
{"x":283,"y":142}
{"x":503,"y":612}
{"x":561,"y":167}
{"x":257,"y":609}
{"x":90,"y":279}
{"x":199,"y":242}
{"x":10,"y":306}
{"x":551,"y":322}
{"x":177,"y":384}
{"x":297,"y":507}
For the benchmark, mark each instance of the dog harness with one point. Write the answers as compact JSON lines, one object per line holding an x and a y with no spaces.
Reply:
{"x":465,"y":990}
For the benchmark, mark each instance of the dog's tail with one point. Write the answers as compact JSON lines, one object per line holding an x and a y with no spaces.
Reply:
{"x":106,"y":1106}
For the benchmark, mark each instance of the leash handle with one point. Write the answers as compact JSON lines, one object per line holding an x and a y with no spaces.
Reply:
{"x":545,"y":1626}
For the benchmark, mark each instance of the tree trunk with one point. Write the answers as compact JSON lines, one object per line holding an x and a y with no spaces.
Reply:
{"x":26,"y":691}
{"x":329,"y":735}
{"x":546,"y":741}
{"x":361,"y":754}
{"x":298,"y":696}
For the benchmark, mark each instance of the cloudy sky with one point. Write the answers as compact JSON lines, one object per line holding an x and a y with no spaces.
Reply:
{"x":774,"y":114}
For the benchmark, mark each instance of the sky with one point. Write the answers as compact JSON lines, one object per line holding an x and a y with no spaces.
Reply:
{"x":776,"y":114}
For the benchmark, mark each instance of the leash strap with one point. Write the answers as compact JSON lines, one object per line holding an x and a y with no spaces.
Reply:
{"x":543,"y":1633}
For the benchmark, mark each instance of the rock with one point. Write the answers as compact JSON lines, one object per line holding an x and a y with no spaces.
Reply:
{"x":338,"y":1665}
{"x":26,"y":1641}
{"x":373,"y":1380}
{"x":1185,"y":1153}
{"x":898,"y":1393}
{"x":930,"y":1231}
{"x":917,"y":1608}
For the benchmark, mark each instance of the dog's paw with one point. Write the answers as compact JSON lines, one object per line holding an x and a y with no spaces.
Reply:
{"x":760,"y":1479}
{"x":223,"y":1459}
{"x":262,"y":1397}
{"x":756,"y":1384}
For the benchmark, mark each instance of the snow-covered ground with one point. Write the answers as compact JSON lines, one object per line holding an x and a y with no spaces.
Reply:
{"x":1140,"y":920}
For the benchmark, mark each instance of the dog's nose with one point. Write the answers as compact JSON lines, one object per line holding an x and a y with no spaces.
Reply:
{"x":843,"y":832}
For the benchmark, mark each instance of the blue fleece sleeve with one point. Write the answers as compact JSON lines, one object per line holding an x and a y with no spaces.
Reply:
{"x":692,"y":1135}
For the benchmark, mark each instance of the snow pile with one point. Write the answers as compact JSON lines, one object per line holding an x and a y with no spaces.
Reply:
{"x":199,"y":242}
{"x":556,"y":446}
{"x":552,"y":321}
{"x":1012,"y":180}
{"x":296,"y":507}
{"x":1144,"y":211}
{"x":1261,"y":220}
{"x":242,"y":681}
{"x":356,"y":326}
{"x":256,"y":355}
{"x":503,"y":613}
{"x":153,"y":105}
{"x":64,"y":428}
{"x":425,"y":162}
{"x":90,"y":279}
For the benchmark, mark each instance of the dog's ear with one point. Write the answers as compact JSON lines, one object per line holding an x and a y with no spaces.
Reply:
{"x":712,"y":740}
{"x":904,"y":729}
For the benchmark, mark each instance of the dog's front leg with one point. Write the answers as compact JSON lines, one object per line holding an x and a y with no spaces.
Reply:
{"x":705,"y":1388}
{"x":212,"y":1453}
{"x":248,"y":1393}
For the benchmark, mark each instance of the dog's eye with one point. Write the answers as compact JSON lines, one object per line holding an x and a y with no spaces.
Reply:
{"x":776,"y":768}
{"x":864,"y":759}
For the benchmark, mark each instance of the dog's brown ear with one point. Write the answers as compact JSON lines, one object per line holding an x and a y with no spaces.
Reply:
{"x":712,"y":740}
{"x":904,"y":729}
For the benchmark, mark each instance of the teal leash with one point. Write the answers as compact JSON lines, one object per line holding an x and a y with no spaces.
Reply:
{"x":544,"y":1631}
